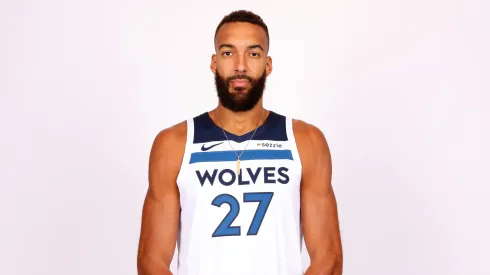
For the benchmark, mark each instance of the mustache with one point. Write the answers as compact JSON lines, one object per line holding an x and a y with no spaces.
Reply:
{"x":241,"y":76}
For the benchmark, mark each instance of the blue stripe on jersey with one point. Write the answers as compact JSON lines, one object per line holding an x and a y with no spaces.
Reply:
{"x":273,"y":129}
{"x":259,"y":154}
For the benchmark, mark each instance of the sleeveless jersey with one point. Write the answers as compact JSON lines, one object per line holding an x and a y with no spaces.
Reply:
{"x":245,"y":223}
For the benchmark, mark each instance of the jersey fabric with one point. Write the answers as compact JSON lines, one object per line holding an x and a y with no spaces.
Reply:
{"x":245,"y":223}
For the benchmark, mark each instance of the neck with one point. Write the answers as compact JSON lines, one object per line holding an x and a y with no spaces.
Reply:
{"x":239,"y":123}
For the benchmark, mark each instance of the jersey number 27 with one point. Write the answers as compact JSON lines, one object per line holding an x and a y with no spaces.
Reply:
{"x":225,"y":228}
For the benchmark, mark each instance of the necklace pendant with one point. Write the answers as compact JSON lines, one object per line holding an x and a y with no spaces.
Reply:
{"x":238,"y":167}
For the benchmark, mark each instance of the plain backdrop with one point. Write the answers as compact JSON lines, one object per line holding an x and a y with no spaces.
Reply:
{"x":400,"y":89}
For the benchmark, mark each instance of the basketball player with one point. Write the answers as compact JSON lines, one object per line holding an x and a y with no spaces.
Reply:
{"x":236,"y":188}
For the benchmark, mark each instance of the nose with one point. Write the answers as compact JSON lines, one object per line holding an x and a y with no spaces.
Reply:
{"x":240,"y":64}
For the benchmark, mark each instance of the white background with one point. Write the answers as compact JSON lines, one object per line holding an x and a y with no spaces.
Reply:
{"x":400,"y":89}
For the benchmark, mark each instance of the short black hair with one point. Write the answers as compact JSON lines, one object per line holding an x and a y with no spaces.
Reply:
{"x":243,"y":16}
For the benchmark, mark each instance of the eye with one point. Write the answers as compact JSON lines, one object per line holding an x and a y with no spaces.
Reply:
{"x":255,"y":54}
{"x":227,"y":53}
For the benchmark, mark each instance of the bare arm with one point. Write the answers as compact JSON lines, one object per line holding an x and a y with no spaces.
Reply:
{"x":320,"y":223}
{"x":161,"y":209}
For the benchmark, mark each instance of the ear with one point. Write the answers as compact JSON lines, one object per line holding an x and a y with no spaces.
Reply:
{"x":268,"y":66}
{"x":212,"y":66}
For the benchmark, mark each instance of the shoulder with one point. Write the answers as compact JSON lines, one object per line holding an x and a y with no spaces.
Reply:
{"x":308,"y":133}
{"x":166,"y":155}
{"x":173,"y":135}
{"x":170,"y":142}
{"x":311,"y":142}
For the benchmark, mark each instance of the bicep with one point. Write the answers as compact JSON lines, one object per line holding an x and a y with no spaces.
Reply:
{"x":161,"y":209}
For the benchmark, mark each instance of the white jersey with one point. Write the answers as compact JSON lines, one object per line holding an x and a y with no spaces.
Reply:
{"x":245,"y":223}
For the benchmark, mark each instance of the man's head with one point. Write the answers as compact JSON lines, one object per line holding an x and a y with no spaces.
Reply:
{"x":241,"y":64}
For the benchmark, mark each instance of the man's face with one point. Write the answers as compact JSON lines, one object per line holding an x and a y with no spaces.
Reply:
{"x":240,"y":65}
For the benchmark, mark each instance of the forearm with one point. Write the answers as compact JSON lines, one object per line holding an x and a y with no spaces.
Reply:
{"x":327,"y":264}
{"x":158,"y":237}
{"x":149,"y":266}
{"x":322,"y":235}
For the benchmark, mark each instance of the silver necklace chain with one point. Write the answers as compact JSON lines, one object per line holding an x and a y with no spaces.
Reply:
{"x":253,"y":134}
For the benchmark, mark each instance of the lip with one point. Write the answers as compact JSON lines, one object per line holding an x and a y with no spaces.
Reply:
{"x":239,"y":82}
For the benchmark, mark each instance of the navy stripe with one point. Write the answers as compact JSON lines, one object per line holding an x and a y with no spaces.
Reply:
{"x":273,"y":129}
{"x":259,"y":154}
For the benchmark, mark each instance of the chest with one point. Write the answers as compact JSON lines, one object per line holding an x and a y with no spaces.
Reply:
{"x":260,"y":166}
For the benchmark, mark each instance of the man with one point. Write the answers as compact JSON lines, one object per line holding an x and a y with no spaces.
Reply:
{"x":238,"y":187}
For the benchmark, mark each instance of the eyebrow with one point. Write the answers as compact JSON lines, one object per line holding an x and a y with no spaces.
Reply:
{"x":249,"y":47}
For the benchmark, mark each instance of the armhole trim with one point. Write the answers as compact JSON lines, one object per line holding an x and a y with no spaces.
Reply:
{"x":187,"y":153}
{"x":292,"y":142}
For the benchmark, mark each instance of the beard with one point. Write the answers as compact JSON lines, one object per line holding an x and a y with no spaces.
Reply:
{"x":240,"y":100}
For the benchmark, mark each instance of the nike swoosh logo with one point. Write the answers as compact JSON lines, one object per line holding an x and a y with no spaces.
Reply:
{"x":204,"y":148}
